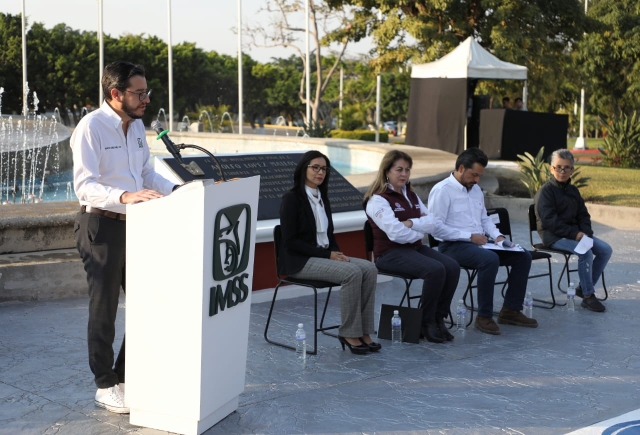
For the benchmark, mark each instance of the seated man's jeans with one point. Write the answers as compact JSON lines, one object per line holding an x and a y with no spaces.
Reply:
{"x":589,"y":268}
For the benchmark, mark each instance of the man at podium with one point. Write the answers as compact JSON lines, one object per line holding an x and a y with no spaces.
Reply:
{"x":111,"y":169}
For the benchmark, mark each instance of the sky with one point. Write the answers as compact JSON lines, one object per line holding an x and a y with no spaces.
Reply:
{"x":208,"y":23}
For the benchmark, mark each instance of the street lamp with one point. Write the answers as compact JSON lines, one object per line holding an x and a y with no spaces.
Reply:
{"x":25,"y":90}
{"x":240,"y":111}
{"x":580,"y":142}
{"x":308,"y":66}
{"x":101,"y":51}
{"x":170,"y":62}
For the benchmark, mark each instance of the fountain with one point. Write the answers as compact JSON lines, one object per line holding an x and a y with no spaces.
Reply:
{"x":29,"y":155}
{"x":164,"y":116}
{"x":221,"y":129}
{"x":204,"y":112}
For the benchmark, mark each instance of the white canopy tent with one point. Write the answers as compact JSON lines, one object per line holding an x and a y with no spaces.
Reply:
{"x":438,"y":101}
{"x":470,"y":60}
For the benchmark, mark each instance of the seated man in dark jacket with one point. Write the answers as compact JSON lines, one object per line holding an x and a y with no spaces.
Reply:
{"x":563,"y":220}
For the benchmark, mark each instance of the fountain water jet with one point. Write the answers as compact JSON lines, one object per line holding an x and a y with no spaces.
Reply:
{"x":29,"y":147}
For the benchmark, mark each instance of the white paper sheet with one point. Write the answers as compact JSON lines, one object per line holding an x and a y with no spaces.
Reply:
{"x":585,"y":244}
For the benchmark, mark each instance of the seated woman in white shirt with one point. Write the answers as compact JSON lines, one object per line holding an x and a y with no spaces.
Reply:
{"x":310,"y":251}
{"x":400,"y":221}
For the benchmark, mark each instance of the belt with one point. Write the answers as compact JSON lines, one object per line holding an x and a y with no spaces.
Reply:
{"x":105,"y":213}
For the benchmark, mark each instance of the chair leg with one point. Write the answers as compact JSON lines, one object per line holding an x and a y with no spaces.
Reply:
{"x":469,"y":291}
{"x":604,"y":286}
{"x":322,"y":328}
{"x":546,"y":304}
{"x":266,"y":328}
{"x":406,"y":295}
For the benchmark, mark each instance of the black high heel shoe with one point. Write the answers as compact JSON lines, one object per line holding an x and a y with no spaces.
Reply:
{"x":358,"y":350}
{"x":432,"y":333}
{"x":373,"y":346}
{"x":444,"y":331}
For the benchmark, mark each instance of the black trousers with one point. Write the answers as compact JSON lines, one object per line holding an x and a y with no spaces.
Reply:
{"x":101,"y":243}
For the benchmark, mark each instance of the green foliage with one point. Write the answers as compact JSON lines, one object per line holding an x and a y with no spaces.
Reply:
{"x":607,"y":56}
{"x":621,"y":146}
{"x":317,"y":129}
{"x":368,"y":135}
{"x":535,"y":171}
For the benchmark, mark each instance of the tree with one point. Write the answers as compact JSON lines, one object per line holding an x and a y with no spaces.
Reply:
{"x":328,"y":26}
{"x":536,"y":33}
{"x":609,"y":56}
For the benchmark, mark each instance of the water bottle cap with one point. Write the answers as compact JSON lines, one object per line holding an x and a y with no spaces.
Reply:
{"x":300,"y":325}
{"x":528,"y":293}
{"x":395,"y":311}
{"x":460,"y":301}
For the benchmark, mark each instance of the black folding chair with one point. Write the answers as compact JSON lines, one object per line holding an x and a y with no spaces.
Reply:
{"x":314,"y":285}
{"x":504,"y":225}
{"x":533,"y":228}
{"x":407,"y":279}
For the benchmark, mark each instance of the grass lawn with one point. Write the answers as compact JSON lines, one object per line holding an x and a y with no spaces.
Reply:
{"x":592,"y":143}
{"x":608,"y":186}
{"x":611,"y":186}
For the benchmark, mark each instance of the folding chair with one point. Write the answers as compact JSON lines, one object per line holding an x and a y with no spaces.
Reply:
{"x":314,"y":285}
{"x":407,"y":279}
{"x":533,"y":228}
{"x":504,"y":225}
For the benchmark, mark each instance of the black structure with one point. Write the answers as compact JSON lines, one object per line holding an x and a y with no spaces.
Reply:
{"x":437,"y":114}
{"x":276,"y":178}
{"x":506,"y":133}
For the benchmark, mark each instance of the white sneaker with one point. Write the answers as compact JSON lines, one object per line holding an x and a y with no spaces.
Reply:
{"x":112,"y":399}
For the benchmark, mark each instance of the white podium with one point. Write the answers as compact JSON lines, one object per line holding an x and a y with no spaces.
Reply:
{"x":189,"y":280}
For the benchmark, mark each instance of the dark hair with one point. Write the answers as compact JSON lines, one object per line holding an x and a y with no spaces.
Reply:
{"x":518,"y":99}
{"x":507,"y":99}
{"x":116,"y":75}
{"x":300,"y":173}
{"x":471,"y":156}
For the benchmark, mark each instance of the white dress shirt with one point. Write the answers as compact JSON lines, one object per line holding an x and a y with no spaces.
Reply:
{"x":379,"y":210}
{"x":106,"y":163}
{"x":459,"y":212}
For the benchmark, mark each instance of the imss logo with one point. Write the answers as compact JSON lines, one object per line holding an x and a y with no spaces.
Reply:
{"x":232,"y":236}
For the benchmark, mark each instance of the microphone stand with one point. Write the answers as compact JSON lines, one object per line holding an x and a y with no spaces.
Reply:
{"x":207,"y":152}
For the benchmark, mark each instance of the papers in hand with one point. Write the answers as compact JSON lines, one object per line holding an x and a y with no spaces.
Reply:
{"x":500,"y":247}
{"x":585,"y":244}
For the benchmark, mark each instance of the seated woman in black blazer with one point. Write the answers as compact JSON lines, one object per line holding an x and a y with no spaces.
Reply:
{"x":309,"y":251}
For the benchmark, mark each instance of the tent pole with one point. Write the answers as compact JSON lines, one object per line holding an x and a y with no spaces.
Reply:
{"x":525,"y":96}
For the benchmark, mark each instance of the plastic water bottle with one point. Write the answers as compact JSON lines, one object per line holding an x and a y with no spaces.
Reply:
{"x":461,"y":316}
{"x":396,"y":328}
{"x":528,"y":305}
{"x":571,"y":297}
{"x":301,"y":343}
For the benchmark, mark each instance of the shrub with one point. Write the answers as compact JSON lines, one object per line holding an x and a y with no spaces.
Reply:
{"x":535,"y":172}
{"x":621,"y":147}
{"x":317,"y":129}
{"x":367,"y":135}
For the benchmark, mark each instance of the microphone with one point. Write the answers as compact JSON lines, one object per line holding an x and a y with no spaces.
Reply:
{"x":162,"y":134}
{"x":192,"y":167}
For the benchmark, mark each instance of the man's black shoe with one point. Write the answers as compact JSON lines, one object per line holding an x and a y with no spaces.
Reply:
{"x":592,"y":303}
{"x":579,"y":291}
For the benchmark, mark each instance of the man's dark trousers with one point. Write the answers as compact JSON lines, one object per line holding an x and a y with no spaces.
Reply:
{"x":487,"y":262}
{"x":101,"y":243}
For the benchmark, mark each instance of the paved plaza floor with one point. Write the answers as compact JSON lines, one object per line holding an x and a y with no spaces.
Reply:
{"x":576,"y":369}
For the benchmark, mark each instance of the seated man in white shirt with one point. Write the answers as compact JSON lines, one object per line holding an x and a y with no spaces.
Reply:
{"x":462,"y":226}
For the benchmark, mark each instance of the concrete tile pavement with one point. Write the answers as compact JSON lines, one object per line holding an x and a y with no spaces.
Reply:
{"x":574,"y":370}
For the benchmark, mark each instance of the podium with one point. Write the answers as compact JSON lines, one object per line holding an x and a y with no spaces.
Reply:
{"x":189,"y":280}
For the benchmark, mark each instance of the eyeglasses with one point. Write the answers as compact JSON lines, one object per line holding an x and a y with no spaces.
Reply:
{"x":142,"y":95}
{"x":562,"y":169}
{"x":317,"y":168}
